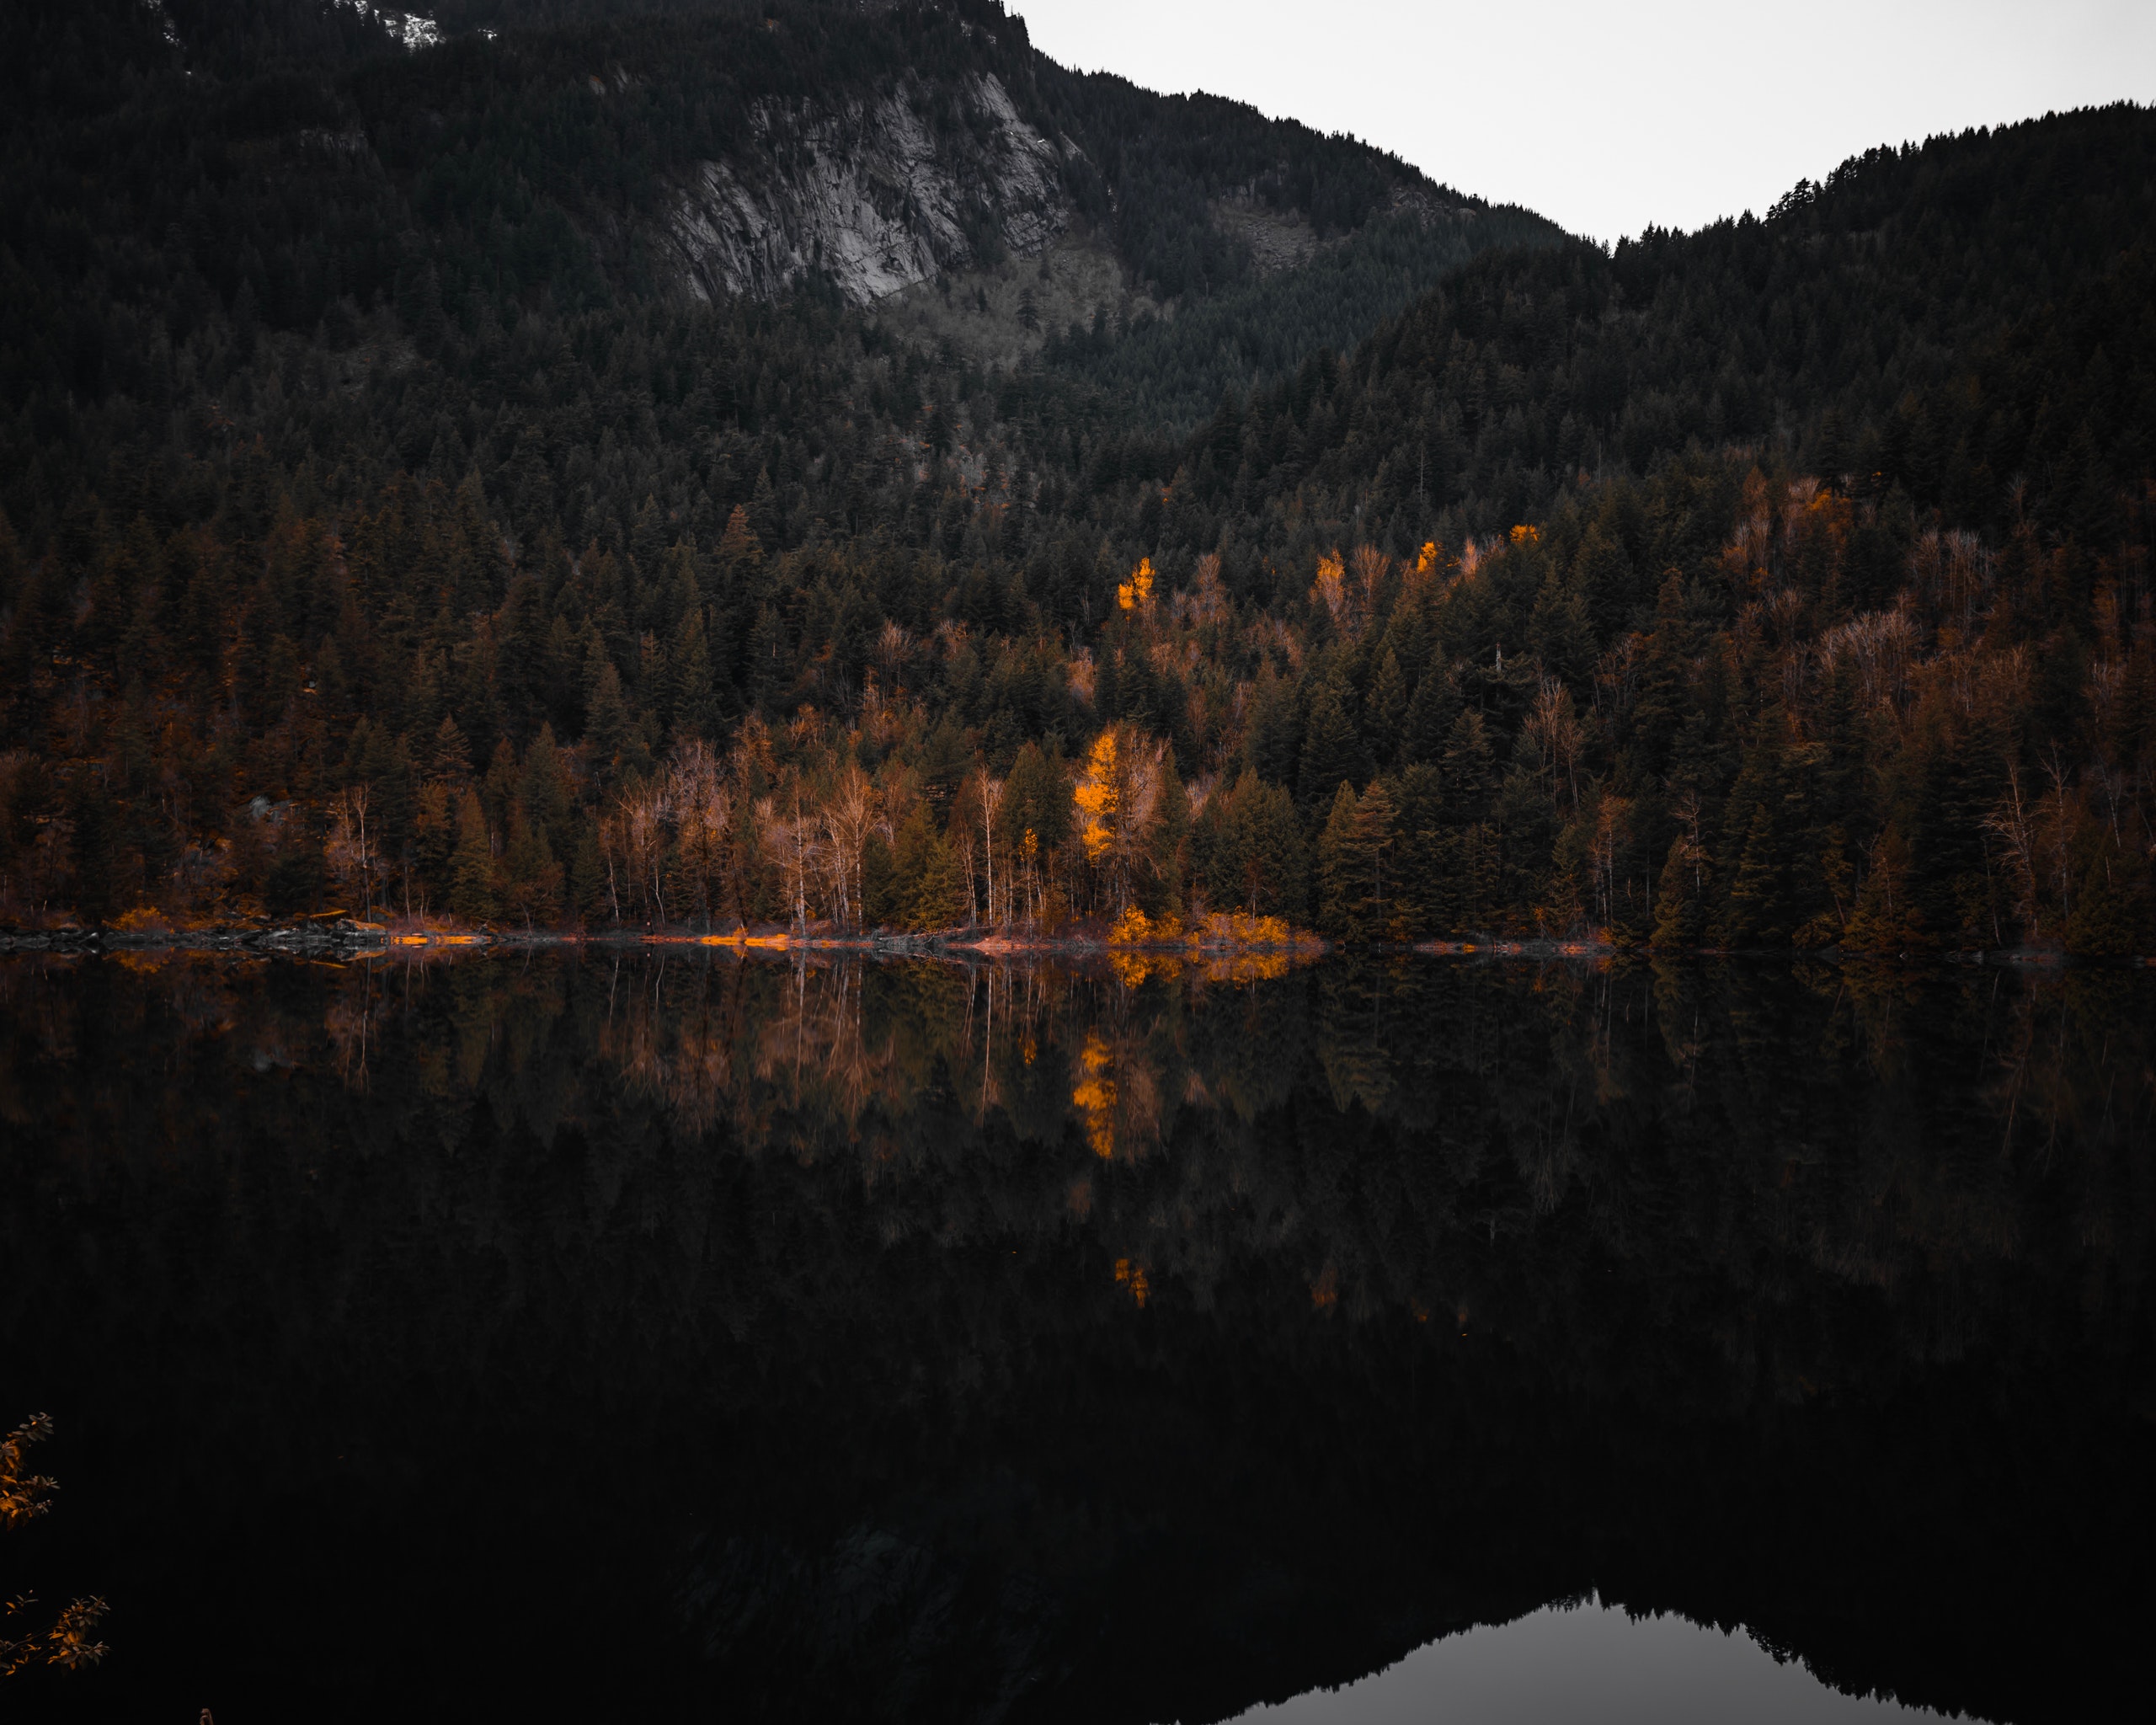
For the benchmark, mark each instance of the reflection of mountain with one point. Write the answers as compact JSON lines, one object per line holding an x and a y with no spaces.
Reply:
{"x":753,"y":1331}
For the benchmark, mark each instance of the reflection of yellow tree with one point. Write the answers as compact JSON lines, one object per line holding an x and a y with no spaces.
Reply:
{"x":1243,"y":968}
{"x":1095,"y":1097}
{"x":786,"y":1056}
{"x":1117,"y":1096}
{"x":1132,"y":1276}
{"x":1133,"y":969}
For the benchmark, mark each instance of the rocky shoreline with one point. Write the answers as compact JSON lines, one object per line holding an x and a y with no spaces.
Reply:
{"x":346,"y":938}
{"x":342,"y":939}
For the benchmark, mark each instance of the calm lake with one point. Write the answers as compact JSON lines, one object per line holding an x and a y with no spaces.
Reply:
{"x":674,"y":1334}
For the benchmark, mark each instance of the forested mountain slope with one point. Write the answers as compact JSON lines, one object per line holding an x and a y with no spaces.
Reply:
{"x":368,"y":441}
{"x":698,"y":151}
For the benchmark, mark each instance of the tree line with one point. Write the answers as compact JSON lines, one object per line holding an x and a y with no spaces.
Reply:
{"x":1784,"y":584}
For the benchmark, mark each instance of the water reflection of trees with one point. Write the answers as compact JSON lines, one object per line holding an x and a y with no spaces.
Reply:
{"x":1396,"y":1128}
{"x":796,"y":1202}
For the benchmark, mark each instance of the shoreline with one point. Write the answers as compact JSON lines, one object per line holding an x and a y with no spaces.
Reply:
{"x":358,"y":939}
{"x":345,"y":939}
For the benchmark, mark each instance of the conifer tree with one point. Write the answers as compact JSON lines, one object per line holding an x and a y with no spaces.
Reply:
{"x":1354,"y":861}
{"x":1887,"y":918}
{"x":1338,"y":877}
{"x":1333,"y":754}
{"x":924,"y":885}
{"x":1384,"y":711}
{"x":1757,"y":912}
{"x":531,"y":878}
{"x":472,"y":893}
{"x":1430,"y":716}
{"x":1681,"y":905}
{"x":694,"y":698}
{"x":607,"y":728}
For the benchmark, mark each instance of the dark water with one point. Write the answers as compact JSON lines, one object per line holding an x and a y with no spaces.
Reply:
{"x":694,"y":1338}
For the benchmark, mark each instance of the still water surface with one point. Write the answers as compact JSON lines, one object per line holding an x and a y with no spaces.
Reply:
{"x":690,"y":1337}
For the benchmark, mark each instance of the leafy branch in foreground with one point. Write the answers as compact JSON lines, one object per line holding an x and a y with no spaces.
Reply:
{"x":24,"y":1497}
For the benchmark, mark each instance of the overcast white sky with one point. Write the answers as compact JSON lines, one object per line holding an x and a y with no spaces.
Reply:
{"x":1609,"y":118}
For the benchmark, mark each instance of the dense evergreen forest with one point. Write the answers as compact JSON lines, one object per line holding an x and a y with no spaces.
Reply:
{"x":388,"y":528}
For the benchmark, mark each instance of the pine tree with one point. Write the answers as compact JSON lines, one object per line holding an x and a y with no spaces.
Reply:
{"x":2114,"y":907}
{"x":1418,"y":886}
{"x":1277,"y":872}
{"x":924,"y":886}
{"x":587,"y":877}
{"x":499,"y":789}
{"x":1680,"y":902}
{"x":1886,"y":918}
{"x":696,"y":702}
{"x":530,"y":878}
{"x":1376,"y":817}
{"x":1385,"y":712}
{"x":1466,"y":767}
{"x":472,"y":893}
{"x":1167,"y":892}
{"x":545,"y":788}
{"x":1430,"y":716}
{"x":1336,"y":874}
{"x":1354,"y":858}
{"x":434,"y":844}
{"x":607,"y":728}
{"x":1559,"y":630}
{"x":1757,"y":913}
{"x":449,"y":761}
{"x":1605,"y":575}
{"x":1333,"y":754}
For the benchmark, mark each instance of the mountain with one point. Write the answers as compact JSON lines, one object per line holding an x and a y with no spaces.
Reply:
{"x":708,"y":151}
{"x":434,"y":456}
{"x":1954,"y":319}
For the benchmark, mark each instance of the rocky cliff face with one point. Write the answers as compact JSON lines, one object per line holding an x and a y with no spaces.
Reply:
{"x":875,"y":194}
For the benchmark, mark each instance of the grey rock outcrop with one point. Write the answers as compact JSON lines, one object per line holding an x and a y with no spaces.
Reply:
{"x":871,"y":193}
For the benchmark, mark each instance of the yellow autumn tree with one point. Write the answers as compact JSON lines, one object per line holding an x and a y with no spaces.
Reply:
{"x":1136,"y":593}
{"x":1330,"y":589}
{"x":1117,"y":796}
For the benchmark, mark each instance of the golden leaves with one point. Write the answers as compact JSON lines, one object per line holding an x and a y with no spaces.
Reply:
{"x":1098,"y":795}
{"x":1095,"y":1097}
{"x":1132,"y":1276}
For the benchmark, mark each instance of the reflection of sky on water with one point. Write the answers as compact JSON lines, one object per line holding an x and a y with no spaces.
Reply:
{"x":1592,"y":1662}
